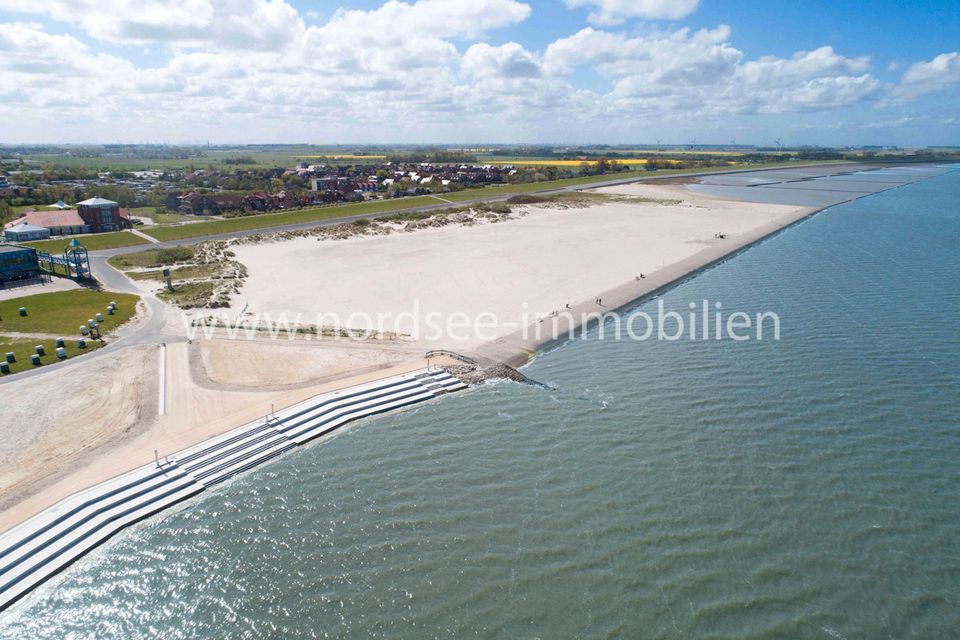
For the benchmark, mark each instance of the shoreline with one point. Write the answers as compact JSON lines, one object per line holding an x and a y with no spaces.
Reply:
{"x":516,"y":351}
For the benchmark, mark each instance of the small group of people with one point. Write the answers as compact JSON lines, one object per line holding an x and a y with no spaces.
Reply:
{"x":720,"y":235}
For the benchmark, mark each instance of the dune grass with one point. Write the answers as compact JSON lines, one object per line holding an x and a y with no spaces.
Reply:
{"x":151,"y":258}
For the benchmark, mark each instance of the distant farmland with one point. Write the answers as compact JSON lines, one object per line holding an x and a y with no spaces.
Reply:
{"x":573,"y":163}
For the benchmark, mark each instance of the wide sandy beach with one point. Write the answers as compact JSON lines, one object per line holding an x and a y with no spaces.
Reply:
{"x":510,"y":272}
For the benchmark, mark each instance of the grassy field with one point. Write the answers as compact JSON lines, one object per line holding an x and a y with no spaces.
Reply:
{"x":168,"y":218}
{"x":92,"y":241}
{"x":267,"y":220}
{"x":553,"y":162}
{"x":202,"y":159}
{"x":63,"y":312}
{"x":23,"y":348}
{"x":346,"y":156}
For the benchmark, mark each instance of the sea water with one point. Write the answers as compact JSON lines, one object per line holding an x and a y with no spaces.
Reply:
{"x":801,"y":488}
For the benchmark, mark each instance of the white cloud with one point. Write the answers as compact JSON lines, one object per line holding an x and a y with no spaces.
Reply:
{"x":701,"y":57}
{"x":819,"y":63}
{"x":611,"y":12}
{"x":508,"y":61}
{"x":253,"y":67}
{"x":239,"y":24}
{"x":929,"y":77}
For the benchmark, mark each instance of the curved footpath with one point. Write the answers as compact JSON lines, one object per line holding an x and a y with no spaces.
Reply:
{"x":47,"y":543}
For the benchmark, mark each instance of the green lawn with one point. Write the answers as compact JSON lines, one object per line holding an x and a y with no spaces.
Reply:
{"x":92,"y":241}
{"x":267,"y":220}
{"x":527,"y":187}
{"x":23,"y":348}
{"x":63,"y":312}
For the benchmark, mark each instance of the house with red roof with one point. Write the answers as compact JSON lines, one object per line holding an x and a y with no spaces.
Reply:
{"x":91,"y":216}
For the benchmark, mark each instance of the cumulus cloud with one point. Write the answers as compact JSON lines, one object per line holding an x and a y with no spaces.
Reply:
{"x":250,"y":65}
{"x":930,"y":76}
{"x":508,"y":61}
{"x":612,"y":12}
{"x":682,"y":56}
{"x":239,"y":24}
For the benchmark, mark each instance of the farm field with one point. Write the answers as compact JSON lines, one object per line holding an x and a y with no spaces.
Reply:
{"x":576,"y":163}
{"x":284,"y":157}
{"x":347,"y":156}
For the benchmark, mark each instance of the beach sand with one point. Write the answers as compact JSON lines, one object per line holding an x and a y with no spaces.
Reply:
{"x":511,"y":271}
{"x":73,"y":436}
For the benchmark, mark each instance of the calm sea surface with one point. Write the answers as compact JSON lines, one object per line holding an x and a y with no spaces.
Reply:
{"x":806,"y":488}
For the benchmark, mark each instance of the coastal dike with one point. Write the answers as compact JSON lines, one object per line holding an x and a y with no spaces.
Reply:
{"x":37,"y":549}
{"x":817,"y":187}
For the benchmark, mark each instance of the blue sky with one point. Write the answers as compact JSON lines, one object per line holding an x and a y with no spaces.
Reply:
{"x":482,"y":71}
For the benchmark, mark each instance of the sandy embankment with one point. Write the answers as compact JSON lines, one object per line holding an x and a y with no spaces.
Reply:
{"x":61,"y":422}
{"x":513,"y":271}
{"x":73,"y":436}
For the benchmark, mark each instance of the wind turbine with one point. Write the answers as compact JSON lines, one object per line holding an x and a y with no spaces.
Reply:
{"x":779,"y":143}
{"x":693,"y":143}
{"x":733,"y":142}
{"x":658,"y":143}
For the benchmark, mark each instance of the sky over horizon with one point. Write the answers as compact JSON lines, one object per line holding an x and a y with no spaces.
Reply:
{"x":480,"y":71}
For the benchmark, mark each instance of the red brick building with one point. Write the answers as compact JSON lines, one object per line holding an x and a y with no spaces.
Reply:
{"x":100,"y":214}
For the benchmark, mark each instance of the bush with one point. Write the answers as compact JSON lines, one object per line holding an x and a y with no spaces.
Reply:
{"x":526,"y":199}
{"x":494,"y":207}
{"x":174,"y":254}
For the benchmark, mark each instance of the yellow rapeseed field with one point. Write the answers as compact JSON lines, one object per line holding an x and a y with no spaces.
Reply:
{"x":576,"y":163}
{"x":345,"y":156}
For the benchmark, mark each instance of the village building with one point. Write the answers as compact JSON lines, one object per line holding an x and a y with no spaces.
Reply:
{"x":25,"y":232}
{"x":91,"y":216}
{"x":18,"y":263}
{"x":100,"y":214}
